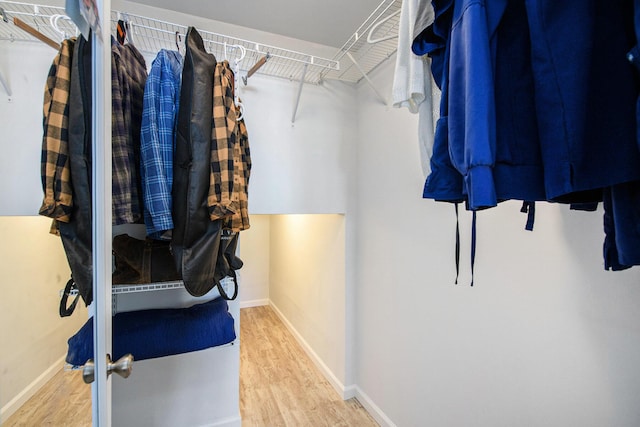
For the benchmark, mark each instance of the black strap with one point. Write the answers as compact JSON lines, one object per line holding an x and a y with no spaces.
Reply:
{"x":473,"y":245}
{"x":457,"y":243}
{"x":64,"y":310}
{"x":223,"y":293}
{"x":530,"y":209}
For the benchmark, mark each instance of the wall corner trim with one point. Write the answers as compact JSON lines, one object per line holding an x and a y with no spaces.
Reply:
{"x":344,"y":392}
{"x":21,"y":398}
{"x":254,"y":303}
{"x":373,"y":409}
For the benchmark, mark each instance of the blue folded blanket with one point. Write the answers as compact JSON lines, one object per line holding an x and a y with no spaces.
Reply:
{"x":147,"y":334}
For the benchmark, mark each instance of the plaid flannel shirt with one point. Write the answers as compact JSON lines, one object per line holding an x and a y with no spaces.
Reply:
{"x":220,"y":199}
{"x":55,"y":168}
{"x":159,"y":117}
{"x":128,"y":77}
{"x":242,"y":170}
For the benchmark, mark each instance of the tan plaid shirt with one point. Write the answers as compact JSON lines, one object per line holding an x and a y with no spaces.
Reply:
{"x":220,"y":200}
{"x":55,"y":169}
{"x":242,"y":170}
{"x":230,"y":156}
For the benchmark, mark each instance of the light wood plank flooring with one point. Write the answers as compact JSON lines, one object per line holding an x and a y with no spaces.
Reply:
{"x":279,"y":386}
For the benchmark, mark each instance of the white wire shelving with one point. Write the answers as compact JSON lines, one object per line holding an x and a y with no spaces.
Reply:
{"x":371,"y":44}
{"x":150,"y":35}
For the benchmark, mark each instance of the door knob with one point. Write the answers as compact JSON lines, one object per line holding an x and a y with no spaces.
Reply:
{"x":121,"y":367}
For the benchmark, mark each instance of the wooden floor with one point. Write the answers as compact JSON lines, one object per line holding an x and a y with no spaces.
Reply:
{"x":279,"y":386}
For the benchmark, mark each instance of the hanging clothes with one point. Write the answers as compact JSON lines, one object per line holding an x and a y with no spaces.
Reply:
{"x":412,"y":78}
{"x":585,"y":94}
{"x":537,"y":108}
{"x":157,"y":141}
{"x":55,"y":169}
{"x":230,"y":155}
{"x":128,"y":74}
{"x":239,"y":221}
{"x":76,"y":234}
{"x":224,"y":137}
{"x":195,"y":239}
{"x":128,"y":78}
{"x":622,"y":201}
{"x":444,"y":183}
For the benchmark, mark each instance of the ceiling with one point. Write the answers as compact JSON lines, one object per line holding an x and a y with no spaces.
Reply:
{"x":327,"y":22}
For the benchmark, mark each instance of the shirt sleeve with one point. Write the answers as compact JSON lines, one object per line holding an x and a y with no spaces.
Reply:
{"x":472,"y":135}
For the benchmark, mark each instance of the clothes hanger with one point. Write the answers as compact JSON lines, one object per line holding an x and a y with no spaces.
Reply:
{"x":54,"y":21}
{"x":179,"y":42}
{"x":124,"y":29}
{"x":236,"y":73}
{"x":378,"y":24}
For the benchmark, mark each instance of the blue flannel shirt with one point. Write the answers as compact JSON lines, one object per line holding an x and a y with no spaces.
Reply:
{"x":159,"y":117}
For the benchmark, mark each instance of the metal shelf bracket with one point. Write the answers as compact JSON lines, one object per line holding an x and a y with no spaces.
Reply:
{"x":6,"y":86}
{"x":295,"y":108}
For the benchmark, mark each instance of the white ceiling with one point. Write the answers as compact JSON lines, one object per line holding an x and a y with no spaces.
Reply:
{"x":327,"y":22}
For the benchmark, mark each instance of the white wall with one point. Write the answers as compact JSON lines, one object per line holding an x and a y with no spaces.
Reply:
{"x":546,"y":337}
{"x":256,"y":256}
{"x":304,"y":167}
{"x":33,"y":338}
{"x":307,"y":284}
{"x":25,"y":67}
{"x":298,"y":168}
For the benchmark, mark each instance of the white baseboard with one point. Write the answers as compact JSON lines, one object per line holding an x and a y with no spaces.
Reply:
{"x":373,"y":409}
{"x":227,"y":422}
{"x":254,"y":303}
{"x":344,"y":392}
{"x":349,"y":392}
{"x":14,"y":404}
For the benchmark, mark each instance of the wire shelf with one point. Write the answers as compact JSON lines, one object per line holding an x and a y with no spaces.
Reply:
{"x":150,"y":287}
{"x":37,"y":16}
{"x":368,"y":55}
{"x":150,"y":35}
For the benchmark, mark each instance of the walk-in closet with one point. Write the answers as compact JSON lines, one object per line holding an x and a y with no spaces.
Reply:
{"x":386,"y":273}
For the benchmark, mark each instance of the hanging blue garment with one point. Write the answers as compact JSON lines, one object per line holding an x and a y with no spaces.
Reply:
{"x":585,"y":91}
{"x":160,"y":112}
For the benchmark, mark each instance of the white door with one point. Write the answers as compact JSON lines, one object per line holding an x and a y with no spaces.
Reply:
{"x":101,"y":387}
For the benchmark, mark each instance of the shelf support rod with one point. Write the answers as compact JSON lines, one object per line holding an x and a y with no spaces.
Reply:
{"x":295,"y":108}
{"x":382,"y":98}
{"x":4,"y":83}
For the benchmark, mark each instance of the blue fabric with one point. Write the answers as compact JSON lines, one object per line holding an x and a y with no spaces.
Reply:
{"x":622,"y":202}
{"x":585,"y":91}
{"x":486,"y":146}
{"x":621,"y":248}
{"x":148,"y":334}
{"x":160,"y":111}
{"x":472,"y":115}
{"x":444,"y":183}
{"x":517,"y":173}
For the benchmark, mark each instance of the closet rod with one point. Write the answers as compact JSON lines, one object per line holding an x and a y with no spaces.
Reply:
{"x":256,"y":67}
{"x":35,"y":33}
